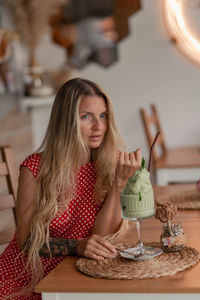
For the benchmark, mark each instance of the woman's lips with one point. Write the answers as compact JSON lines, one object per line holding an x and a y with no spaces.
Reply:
{"x":95,"y":137}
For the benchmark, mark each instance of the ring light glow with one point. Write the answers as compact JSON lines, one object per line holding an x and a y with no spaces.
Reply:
{"x":186,"y":41}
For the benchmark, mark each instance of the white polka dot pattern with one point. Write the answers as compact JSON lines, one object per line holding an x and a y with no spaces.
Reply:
{"x":75,"y":223}
{"x":33,"y":162}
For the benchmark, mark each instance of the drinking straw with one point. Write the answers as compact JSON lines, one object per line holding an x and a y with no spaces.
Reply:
{"x":153,"y":144}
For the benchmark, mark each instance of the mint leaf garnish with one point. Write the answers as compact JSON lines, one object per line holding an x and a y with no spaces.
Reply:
{"x":143,"y":164}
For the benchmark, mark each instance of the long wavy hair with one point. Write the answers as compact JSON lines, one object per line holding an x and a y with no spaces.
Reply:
{"x":64,"y":151}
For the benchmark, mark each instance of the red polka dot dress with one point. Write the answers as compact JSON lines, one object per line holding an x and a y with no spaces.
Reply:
{"x":75,"y":223}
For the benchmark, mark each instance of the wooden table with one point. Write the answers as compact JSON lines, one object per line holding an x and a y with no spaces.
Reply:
{"x":65,"y":281}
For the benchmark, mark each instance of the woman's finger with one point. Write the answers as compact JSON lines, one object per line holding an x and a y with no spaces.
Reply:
{"x":117,"y":157}
{"x":105,"y":244}
{"x":121,"y":158}
{"x":132,"y":158}
{"x":96,"y":246}
{"x":126,"y":159}
{"x":97,"y":257}
{"x":101,"y":253}
{"x":138,"y":156}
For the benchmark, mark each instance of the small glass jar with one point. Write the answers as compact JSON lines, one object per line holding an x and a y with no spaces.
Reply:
{"x":174,"y":239}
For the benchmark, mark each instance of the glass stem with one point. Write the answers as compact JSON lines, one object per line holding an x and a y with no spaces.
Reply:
{"x":140,"y":244}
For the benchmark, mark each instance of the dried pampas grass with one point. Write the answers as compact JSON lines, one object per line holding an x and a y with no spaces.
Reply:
{"x":31,"y":18}
{"x":58,"y":78}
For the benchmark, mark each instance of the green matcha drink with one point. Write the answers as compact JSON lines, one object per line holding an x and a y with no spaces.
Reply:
{"x":137,"y":199}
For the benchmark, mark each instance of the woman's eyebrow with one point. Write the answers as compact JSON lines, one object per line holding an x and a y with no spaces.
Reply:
{"x":90,"y":113}
{"x":86,"y":112}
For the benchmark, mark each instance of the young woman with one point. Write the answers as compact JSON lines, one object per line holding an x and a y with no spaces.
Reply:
{"x":69,"y":193}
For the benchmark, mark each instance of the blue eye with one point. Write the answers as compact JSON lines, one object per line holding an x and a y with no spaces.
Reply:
{"x":103,"y":116}
{"x":84,"y":117}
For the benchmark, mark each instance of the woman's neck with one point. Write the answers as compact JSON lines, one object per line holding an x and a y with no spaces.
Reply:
{"x":88,"y":159}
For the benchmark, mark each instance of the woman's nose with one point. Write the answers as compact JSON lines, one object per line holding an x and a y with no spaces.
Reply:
{"x":97,"y":124}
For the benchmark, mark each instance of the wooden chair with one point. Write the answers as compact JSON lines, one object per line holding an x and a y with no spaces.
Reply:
{"x":170,"y":165}
{"x":8,"y":193}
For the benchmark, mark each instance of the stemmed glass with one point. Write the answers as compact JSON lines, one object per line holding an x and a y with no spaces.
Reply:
{"x":137,"y":204}
{"x":140,"y":252}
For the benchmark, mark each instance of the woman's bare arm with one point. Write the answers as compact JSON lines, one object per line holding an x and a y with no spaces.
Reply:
{"x":26,"y":202}
{"x":108,"y":218}
{"x":57,"y":247}
{"x":94,"y":246}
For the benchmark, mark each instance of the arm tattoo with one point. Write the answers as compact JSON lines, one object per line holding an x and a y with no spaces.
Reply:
{"x":57,"y":247}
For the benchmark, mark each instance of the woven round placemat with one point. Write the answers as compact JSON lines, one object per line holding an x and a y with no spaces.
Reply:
{"x":122,"y":268}
{"x":188,"y":199}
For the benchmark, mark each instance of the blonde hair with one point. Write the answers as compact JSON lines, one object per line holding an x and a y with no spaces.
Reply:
{"x":63,"y":151}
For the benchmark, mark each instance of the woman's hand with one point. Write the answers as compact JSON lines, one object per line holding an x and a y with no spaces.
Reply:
{"x":109,"y":217}
{"x":128,"y":164}
{"x":96,"y":247}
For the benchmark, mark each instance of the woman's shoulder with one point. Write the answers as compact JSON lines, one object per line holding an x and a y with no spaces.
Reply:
{"x":33,"y":163}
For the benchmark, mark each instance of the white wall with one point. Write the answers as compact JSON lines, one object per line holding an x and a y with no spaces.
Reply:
{"x":150,"y":70}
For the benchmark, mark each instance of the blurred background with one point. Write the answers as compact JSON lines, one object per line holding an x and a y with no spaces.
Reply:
{"x":125,"y":46}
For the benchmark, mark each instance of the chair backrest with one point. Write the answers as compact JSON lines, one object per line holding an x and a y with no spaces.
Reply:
{"x":8,"y":192}
{"x":151,"y":125}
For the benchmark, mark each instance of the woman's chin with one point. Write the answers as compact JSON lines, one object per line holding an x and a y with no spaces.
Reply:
{"x":94,"y":145}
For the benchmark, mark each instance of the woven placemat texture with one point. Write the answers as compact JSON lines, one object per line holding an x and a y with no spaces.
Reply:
{"x":188,"y":199}
{"x":122,"y":268}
